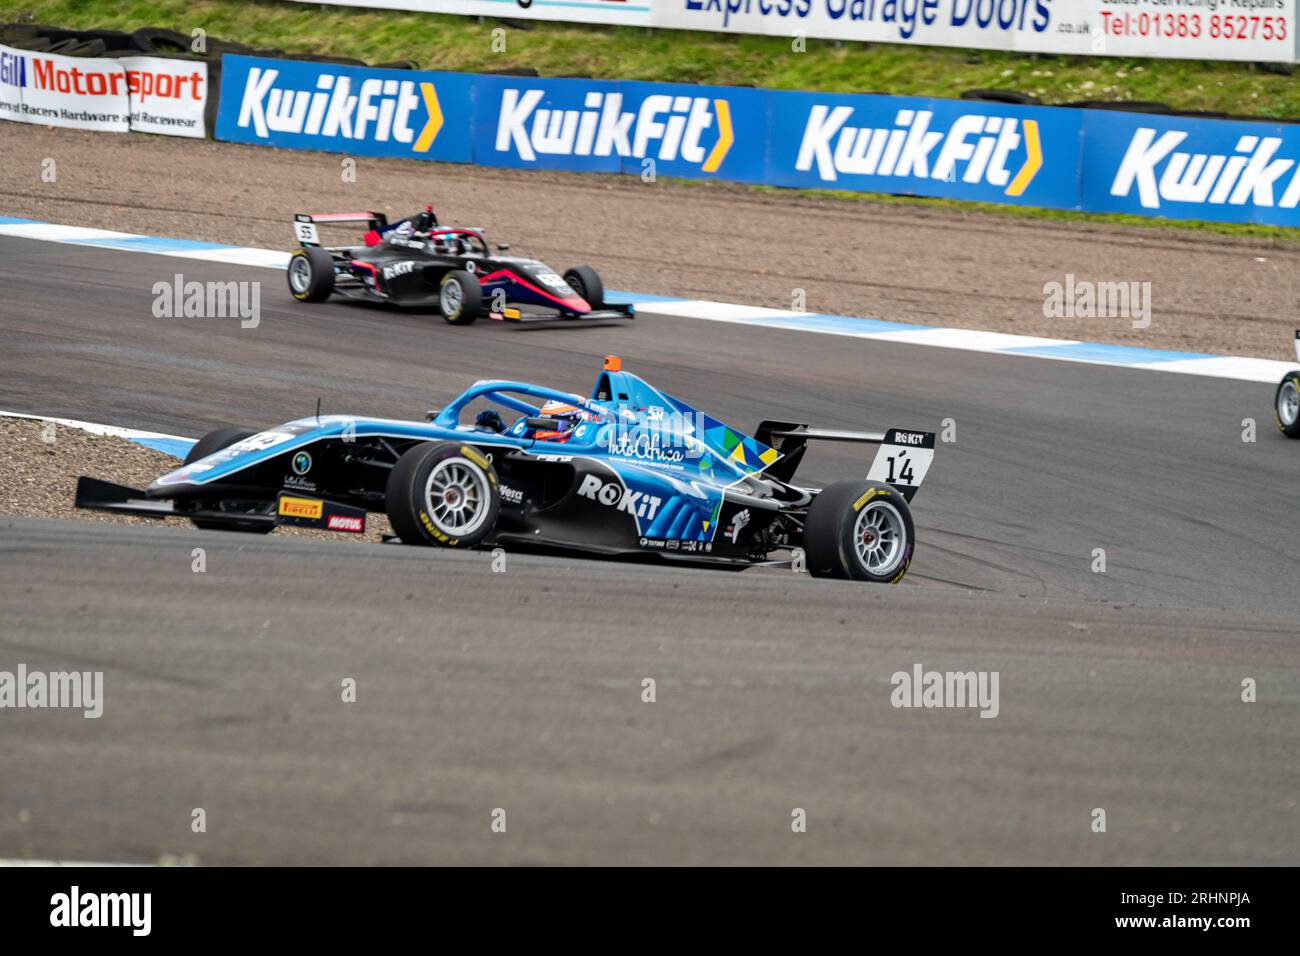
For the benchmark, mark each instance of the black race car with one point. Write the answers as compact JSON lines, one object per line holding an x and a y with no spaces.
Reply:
{"x":1286,"y":400}
{"x":416,"y":262}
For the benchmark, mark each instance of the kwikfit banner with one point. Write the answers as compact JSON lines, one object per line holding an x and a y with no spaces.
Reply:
{"x":1216,"y":170}
{"x":1252,"y":30}
{"x":1064,"y":158}
{"x":361,"y":110}
{"x":957,"y":149}
{"x":650,"y":129}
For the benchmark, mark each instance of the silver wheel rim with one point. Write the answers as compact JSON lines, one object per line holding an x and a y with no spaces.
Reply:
{"x":880,"y":537}
{"x":1288,"y":402}
{"x":457,"y":497}
{"x":299,"y":274}
{"x":451,"y":298}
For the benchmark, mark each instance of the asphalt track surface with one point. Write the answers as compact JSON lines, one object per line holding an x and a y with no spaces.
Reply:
{"x":1118,"y":690}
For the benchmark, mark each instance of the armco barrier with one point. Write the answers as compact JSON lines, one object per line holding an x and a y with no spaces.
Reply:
{"x":1091,"y":160}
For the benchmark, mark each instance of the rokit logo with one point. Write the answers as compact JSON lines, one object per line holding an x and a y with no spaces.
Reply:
{"x":636,"y":503}
{"x":975,"y":149}
{"x":669,"y":127}
{"x":380,"y":111}
{"x":1159,"y":170}
{"x":398,"y":269}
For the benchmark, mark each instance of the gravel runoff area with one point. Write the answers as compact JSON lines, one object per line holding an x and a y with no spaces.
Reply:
{"x":42,"y":462}
{"x":891,"y":261}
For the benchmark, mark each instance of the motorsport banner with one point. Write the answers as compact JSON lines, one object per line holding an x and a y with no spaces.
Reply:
{"x":1251,"y":30}
{"x":112,"y":94}
{"x":350,"y":109}
{"x":72,"y":91}
{"x":167,"y":96}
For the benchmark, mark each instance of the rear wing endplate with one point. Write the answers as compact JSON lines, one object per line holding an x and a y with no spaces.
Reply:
{"x":902,"y":461}
{"x":304,"y":223}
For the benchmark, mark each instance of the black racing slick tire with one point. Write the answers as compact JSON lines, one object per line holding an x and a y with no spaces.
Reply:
{"x":443,"y":494}
{"x":1286,"y":405}
{"x":584,"y":281}
{"x":205,"y":446}
{"x":460,"y":297}
{"x":311,"y":274}
{"x":860,"y":530}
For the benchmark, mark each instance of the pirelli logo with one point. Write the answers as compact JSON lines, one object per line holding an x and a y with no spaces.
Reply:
{"x":301,"y":507}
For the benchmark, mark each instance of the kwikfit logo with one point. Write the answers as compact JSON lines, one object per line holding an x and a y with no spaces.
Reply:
{"x":673,"y":127}
{"x":1248,"y":174}
{"x":381,"y":110}
{"x":975,"y":149}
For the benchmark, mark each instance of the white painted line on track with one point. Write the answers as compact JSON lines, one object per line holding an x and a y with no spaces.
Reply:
{"x":175,"y":445}
{"x":972,"y":340}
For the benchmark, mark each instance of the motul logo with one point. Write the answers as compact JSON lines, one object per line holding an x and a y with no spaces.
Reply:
{"x":1250,"y":173}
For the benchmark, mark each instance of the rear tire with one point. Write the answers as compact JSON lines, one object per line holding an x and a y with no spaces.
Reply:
{"x":584,"y":281}
{"x":311,"y":274}
{"x":1286,"y":405}
{"x":861,"y":530}
{"x":460,"y":297}
{"x":443,"y":494}
{"x":205,"y":446}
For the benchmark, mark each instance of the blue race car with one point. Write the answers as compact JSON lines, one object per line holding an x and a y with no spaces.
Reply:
{"x":629,"y":471}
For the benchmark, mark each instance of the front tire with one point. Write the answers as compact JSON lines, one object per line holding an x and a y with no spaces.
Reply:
{"x":460,"y":297}
{"x":443,"y":494}
{"x":1286,"y":405}
{"x":205,"y":446}
{"x":860,"y":530}
{"x":584,"y":281}
{"x":311,"y":274}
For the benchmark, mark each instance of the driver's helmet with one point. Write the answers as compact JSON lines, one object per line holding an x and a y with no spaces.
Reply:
{"x":570,"y":416}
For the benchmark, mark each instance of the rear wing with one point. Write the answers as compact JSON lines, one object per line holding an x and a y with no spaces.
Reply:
{"x":304,"y":223}
{"x":902,"y":461}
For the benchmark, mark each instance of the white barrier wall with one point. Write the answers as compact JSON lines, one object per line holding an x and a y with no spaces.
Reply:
{"x":1250,"y":30}
{"x":143,"y":93}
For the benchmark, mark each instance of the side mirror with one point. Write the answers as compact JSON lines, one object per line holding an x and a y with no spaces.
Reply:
{"x":432,"y":413}
{"x":502,"y":246}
